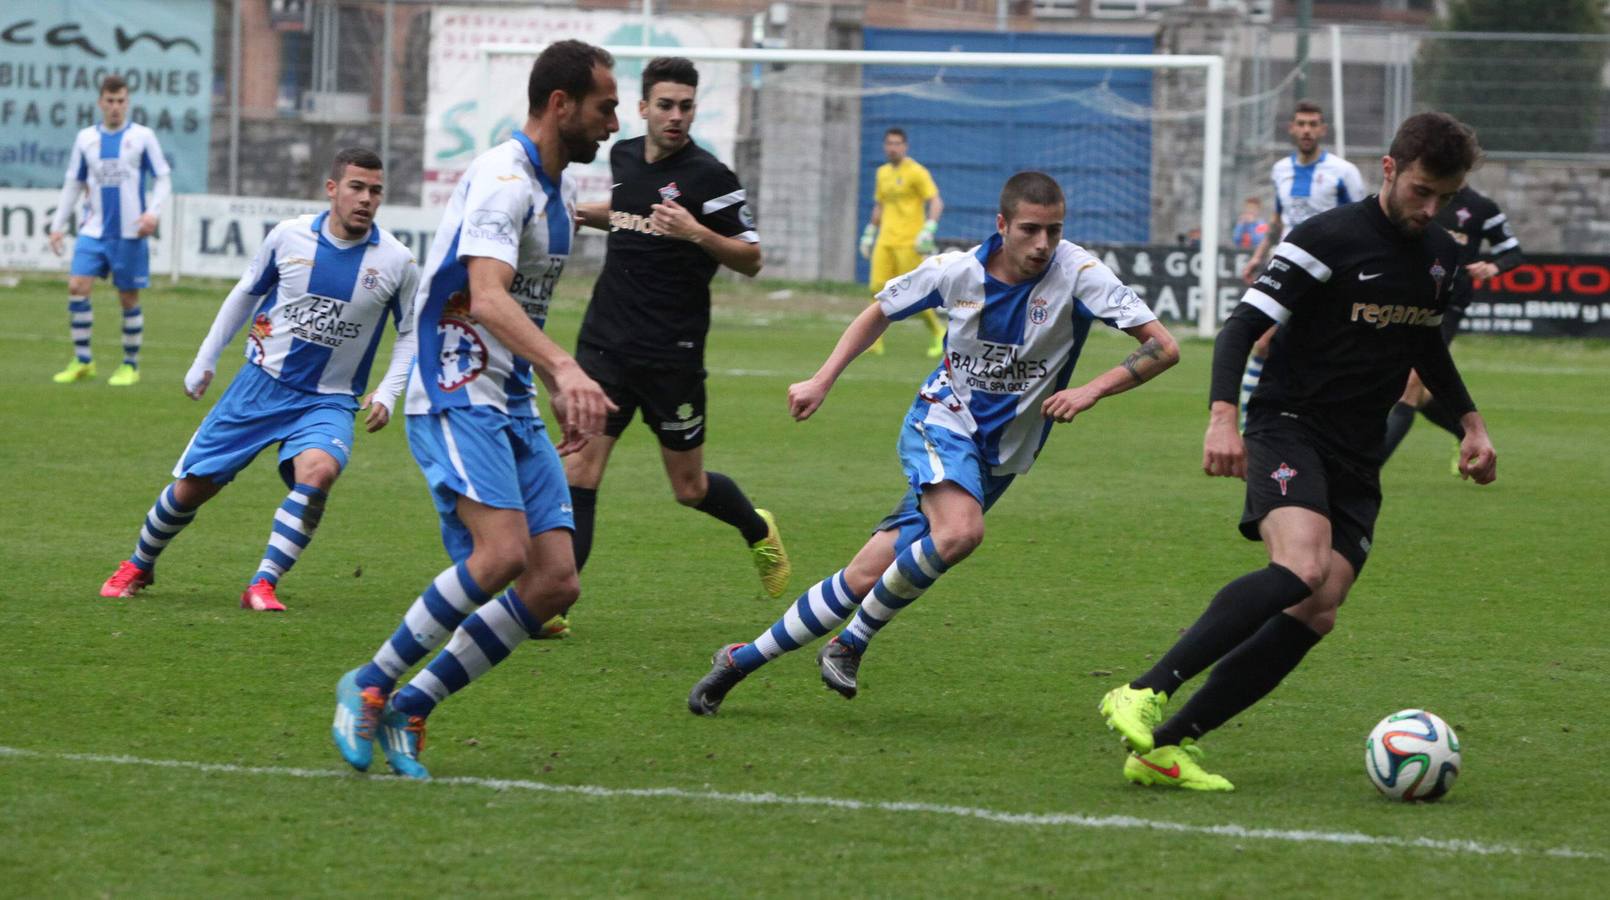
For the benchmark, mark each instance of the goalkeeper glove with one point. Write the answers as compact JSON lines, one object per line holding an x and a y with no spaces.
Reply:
{"x":868,"y":236}
{"x":925,"y":238}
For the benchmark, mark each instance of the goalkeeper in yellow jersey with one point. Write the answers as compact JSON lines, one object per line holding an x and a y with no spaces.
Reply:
{"x":905,"y":215}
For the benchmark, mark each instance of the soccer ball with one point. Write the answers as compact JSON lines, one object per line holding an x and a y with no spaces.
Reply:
{"x":1412,"y":755}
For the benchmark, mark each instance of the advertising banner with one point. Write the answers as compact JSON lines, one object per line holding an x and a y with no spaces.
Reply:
{"x":53,"y":55}
{"x":218,"y":235}
{"x":25,"y":235}
{"x":469,"y":108}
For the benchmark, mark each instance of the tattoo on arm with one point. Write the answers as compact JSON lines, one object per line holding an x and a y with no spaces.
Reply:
{"x":1135,"y":363}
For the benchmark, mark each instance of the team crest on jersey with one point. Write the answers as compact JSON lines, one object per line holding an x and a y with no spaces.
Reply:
{"x":262,"y":327}
{"x":1462,"y":215}
{"x":1039,"y":310}
{"x":1282,"y":475}
{"x":670,"y":192}
{"x":463,"y":353}
{"x":1438,"y":272}
{"x":370,"y":279}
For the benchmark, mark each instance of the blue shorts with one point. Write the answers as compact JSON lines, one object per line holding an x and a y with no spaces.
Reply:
{"x":128,"y":259}
{"x":931,"y":454}
{"x":257,"y":410}
{"x":495,"y":459}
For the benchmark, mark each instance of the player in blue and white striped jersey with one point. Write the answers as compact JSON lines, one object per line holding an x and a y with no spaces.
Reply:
{"x":109,"y":164}
{"x":1307,"y":182}
{"x":496,"y":480}
{"x":317,"y":294}
{"x":1020,"y":306}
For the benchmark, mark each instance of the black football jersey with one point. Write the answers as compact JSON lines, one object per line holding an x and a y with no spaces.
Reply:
{"x":652,"y":299}
{"x":1470,"y":218}
{"x":1360,"y":305}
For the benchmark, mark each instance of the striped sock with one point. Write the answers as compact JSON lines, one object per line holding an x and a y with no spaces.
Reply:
{"x":913,"y":571}
{"x":435,"y":614}
{"x":133,"y":335}
{"x":163,"y":522}
{"x":484,"y":640}
{"x":1249,"y":383}
{"x":817,"y":611}
{"x":81,"y":318}
{"x":294,"y":523}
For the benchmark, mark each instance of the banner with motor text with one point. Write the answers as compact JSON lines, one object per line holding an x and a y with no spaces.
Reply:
{"x":53,"y":55}
{"x":1550,"y":295}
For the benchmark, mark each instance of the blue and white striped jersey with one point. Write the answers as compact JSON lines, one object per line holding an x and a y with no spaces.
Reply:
{"x":1009,"y":347}
{"x":1302,"y":191}
{"x":110,"y":167}
{"x":324,"y":303}
{"x":505,"y":208}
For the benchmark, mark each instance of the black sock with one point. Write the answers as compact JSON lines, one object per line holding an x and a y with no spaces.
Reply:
{"x":583,"y":503}
{"x":1398,"y":423}
{"x":1235,"y":613}
{"x":1443,"y":417}
{"x":1245,"y":676}
{"x":726,"y":501}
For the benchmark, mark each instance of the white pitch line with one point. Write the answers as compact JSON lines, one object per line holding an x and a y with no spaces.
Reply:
{"x":1031,"y":820}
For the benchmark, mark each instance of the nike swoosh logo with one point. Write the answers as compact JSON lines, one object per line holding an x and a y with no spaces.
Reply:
{"x":616,"y":185}
{"x":691,"y":434}
{"x":1363,"y":277}
{"x":1172,"y":771}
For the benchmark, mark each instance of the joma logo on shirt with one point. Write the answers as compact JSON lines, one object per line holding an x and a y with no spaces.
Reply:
{"x":1383,"y":314}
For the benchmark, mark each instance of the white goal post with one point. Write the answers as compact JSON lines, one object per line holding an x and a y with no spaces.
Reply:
{"x":1212,"y":68}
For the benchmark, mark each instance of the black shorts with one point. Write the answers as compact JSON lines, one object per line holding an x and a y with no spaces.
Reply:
{"x":1288,"y":464}
{"x":671,"y":396}
{"x":1450,"y":323}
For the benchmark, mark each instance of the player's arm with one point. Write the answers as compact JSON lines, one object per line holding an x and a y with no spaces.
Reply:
{"x":869,"y":234}
{"x":72,"y":186}
{"x":674,"y":220}
{"x":805,"y":397}
{"x":152,"y":162}
{"x":593,"y":215}
{"x":1502,"y":243}
{"x":260,"y":277}
{"x":1157,"y":352}
{"x":1477,"y":458}
{"x":383,"y":399}
{"x":578,"y":400}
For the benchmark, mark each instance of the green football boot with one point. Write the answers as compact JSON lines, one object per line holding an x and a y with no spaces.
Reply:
{"x":1133,"y":714}
{"x":1174,"y":766}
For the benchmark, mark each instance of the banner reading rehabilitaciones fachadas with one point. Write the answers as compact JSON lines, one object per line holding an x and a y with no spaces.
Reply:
{"x":53,"y":54}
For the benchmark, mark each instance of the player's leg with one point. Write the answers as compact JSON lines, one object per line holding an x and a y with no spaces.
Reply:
{"x":313,"y":472}
{"x":675,"y":409}
{"x":584,"y":469}
{"x":1253,"y":373}
{"x":1401,"y":417}
{"x":1287,"y":506}
{"x":174,"y":508}
{"x":133,"y":338}
{"x":131,"y":273}
{"x":88,"y":264}
{"x":814,"y":614}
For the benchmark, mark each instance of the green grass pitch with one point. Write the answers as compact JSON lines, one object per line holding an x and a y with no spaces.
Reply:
{"x":176,"y":745}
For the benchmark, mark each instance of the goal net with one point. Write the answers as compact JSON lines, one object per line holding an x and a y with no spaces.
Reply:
{"x":1134,"y":139}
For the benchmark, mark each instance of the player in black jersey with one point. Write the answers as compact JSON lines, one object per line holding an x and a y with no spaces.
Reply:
{"x":1360,"y":292}
{"x":676,"y":214}
{"x":1469,"y":219}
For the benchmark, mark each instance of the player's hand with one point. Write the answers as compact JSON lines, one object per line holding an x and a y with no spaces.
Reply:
{"x":581,"y":405}
{"x":379,"y":413}
{"x":56,"y":239}
{"x":804,"y":398}
{"x":196,"y":381}
{"x":1249,"y":272}
{"x":1224,"y":453}
{"x":925,"y":243}
{"x":1478,"y":461}
{"x":869,"y":236}
{"x":674,"y":221}
{"x":1065,"y":404}
{"x":145,"y":225}
{"x":1482,"y":270}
